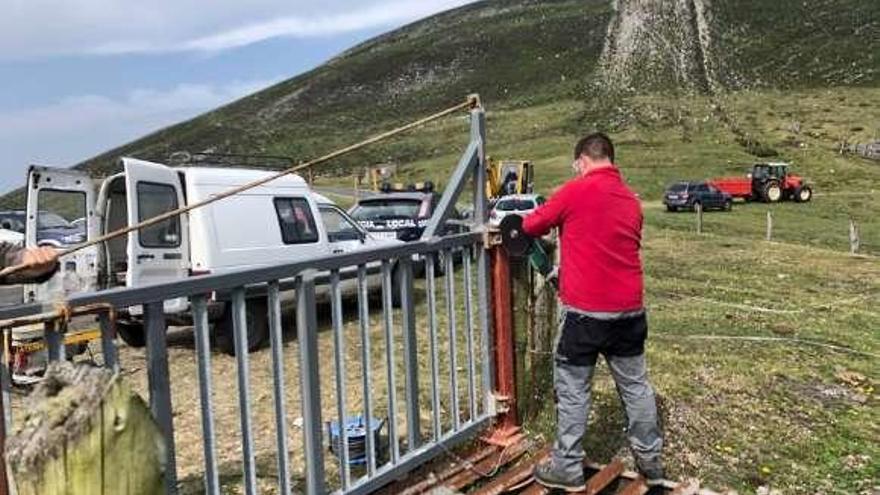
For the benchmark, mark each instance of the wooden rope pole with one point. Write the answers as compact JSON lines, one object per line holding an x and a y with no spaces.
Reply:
{"x":472,"y":101}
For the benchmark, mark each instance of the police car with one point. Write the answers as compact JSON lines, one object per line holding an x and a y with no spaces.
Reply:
{"x":400,"y":214}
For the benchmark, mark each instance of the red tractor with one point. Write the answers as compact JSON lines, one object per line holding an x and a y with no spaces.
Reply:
{"x":768,"y":182}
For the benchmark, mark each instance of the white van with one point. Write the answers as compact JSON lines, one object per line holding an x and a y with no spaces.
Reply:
{"x":280,"y":221}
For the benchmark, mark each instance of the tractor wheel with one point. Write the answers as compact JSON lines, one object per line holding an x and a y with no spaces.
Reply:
{"x":671,"y":208}
{"x":728,"y":205}
{"x":772,"y":192}
{"x":803,"y":194}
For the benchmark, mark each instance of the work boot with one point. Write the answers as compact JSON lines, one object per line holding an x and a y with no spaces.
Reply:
{"x":652,"y":471}
{"x":549,"y":476}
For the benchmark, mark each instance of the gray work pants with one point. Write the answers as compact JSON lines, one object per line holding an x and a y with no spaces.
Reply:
{"x":573,"y":391}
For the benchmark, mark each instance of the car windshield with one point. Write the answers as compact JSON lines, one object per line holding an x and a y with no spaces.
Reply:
{"x":386,"y":208}
{"x":680,"y":187}
{"x":49,"y":220}
{"x":515,"y":205}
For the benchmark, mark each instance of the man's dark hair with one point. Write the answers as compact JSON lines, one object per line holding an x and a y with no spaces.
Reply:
{"x":597,"y":146}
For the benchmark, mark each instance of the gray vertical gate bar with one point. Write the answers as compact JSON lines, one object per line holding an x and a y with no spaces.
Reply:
{"x":5,"y":409}
{"x":108,"y":346}
{"x":276,"y":341}
{"x":478,"y":131}
{"x":203,"y":357}
{"x":410,"y":354}
{"x":364,"y":317}
{"x":469,"y":320}
{"x":54,"y":341}
{"x":239,"y":323}
{"x":453,"y":337}
{"x":6,"y":381}
{"x":339,"y":361}
{"x":433,"y":349}
{"x":387,"y":309}
{"x":307,"y":332}
{"x":160,"y":389}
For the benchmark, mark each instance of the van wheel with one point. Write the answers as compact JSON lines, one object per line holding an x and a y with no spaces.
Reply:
{"x":132,"y":333}
{"x":256,"y":313}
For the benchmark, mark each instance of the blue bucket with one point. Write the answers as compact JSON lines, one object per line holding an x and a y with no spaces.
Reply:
{"x":356,"y":433}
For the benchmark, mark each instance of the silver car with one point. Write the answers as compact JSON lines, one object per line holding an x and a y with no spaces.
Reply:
{"x":514,"y":204}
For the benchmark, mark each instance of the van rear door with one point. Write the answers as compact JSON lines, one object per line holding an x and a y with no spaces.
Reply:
{"x":61,"y":213}
{"x":158,"y":253}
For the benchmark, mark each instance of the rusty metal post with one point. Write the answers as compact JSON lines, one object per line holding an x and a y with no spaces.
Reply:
{"x":507,"y":428}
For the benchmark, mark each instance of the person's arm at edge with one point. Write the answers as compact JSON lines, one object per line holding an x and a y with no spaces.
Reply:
{"x":42,"y":264}
{"x":547,"y":216}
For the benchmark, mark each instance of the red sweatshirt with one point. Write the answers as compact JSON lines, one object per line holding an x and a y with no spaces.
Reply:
{"x":601,"y":233}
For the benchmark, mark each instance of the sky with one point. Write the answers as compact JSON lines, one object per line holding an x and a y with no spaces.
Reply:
{"x":79,"y":77}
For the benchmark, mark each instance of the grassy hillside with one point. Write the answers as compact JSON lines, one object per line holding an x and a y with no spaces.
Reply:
{"x":519,"y":54}
{"x":746,"y":80}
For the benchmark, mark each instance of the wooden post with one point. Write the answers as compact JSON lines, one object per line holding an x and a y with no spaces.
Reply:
{"x":769,"y":225}
{"x":854,"y":239}
{"x":519,"y":273}
{"x":699,"y":209}
{"x":84,"y":432}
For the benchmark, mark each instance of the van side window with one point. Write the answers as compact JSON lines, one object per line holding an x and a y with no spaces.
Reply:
{"x":153,"y":200}
{"x":296,"y":220}
{"x":338,"y":226}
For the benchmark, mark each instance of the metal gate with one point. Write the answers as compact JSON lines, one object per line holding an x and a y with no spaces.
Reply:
{"x":439,"y":405}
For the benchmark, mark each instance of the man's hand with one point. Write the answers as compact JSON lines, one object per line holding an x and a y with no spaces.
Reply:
{"x":38,"y":262}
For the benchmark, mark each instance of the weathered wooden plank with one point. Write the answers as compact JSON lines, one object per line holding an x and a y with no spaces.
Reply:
{"x":690,"y":487}
{"x":86,"y":432}
{"x":513,"y":477}
{"x":635,"y":487}
{"x":603,"y":478}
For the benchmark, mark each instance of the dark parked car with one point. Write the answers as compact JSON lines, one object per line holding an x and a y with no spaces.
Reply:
{"x":52,"y":229}
{"x":687,"y":195}
{"x":402,"y":216}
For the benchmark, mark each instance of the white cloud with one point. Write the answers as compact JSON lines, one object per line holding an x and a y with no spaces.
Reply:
{"x":76,"y":128}
{"x":101,"y":27}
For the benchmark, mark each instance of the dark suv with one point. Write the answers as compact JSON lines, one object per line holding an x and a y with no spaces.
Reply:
{"x":402,"y":216}
{"x":687,"y":195}
{"x":395,"y":215}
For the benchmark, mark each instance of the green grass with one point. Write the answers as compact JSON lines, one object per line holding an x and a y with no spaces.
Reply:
{"x":798,"y":79}
{"x":742,"y":414}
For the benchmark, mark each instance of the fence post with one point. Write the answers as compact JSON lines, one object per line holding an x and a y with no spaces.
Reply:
{"x":769,"y":225}
{"x":481,"y":217}
{"x":307,"y":333}
{"x":698,"y":208}
{"x":5,"y":411}
{"x":411,"y":383}
{"x":160,"y":386}
{"x":507,"y":430}
{"x":854,"y":239}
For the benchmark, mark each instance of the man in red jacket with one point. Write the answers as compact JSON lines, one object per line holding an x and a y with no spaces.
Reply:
{"x":600,"y":221}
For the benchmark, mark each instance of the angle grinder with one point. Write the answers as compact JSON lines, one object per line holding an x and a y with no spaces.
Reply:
{"x":518,"y":244}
